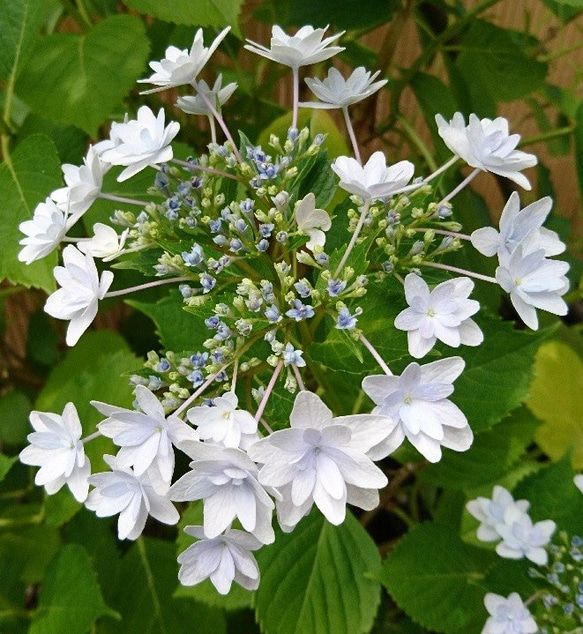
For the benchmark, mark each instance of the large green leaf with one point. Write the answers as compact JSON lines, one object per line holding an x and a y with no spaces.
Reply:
{"x":70,"y":599}
{"x":69,"y":77}
{"x":436,"y":579}
{"x":27,"y":177}
{"x":20,"y":20}
{"x":145,"y":584}
{"x":316,"y":579}
{"x":556,"y":398}
{"x":218,"y":13}
{"x":490,"y":60}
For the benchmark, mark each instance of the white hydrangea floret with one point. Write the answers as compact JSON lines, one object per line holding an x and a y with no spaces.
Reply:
{"x":336,"y":92}
{"x":133,"y":497}
{"x":81,"y":289}
{"x":487,"y":145}
{"x":56,"y":447}
{"x":43,"y":232}
{"x":217,"y":95}
{"x":440,"y":314}
{"x":508,"y":615}
{"x":417,"y":408}
{"x":490,"y":512}
{"x":305,"y":47}
{"x":105,"y":244}
{"x":321,"y":460}
{"x":223,"y":559}
{"x":373,"y":180}
{"x":312,"y":221}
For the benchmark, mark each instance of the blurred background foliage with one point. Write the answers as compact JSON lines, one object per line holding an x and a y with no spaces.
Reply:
{"x":69,"y":67}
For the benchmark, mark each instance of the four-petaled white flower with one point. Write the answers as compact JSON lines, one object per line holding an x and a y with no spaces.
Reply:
{"x":56,"y":447}
{"x":181,"y":67}
{"x":515,"y":225}
{"x":490,"y":512}
{"x":226,"y":480}
{"x":304,"y":48}
{"x":508,"y":616}
{"x":84,"y":185}
{"x":487,"y":145}
{"x":223,"y":559}
{"x":223,"y":423}
{"x":336,"y":92}
{"x":533,"y":281}
{"x":418,"y":408}
{"x":81,"y":288}
{"x":522,"y":538}
{"x":374,"y":180}
{"x":321,"y":460}
{"x":217,"y":95}
{"x":139,"y":142}
{"x":43,"y":232}
{"x":146,"y":437}
{"x":133,"y":497}
{"x":311,"y":221}
{"x":106,"y":243}
{"x":443,"y":313}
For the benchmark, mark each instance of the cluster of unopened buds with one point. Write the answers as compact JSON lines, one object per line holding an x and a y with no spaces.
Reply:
{"x":266,"y":246}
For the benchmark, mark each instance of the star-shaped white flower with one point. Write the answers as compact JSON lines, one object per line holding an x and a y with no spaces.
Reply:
{"x":217,"y":95}
{"x":305,"y":47}
{"x":321,"y":460}
{"x":515,"y":225}
{"x":140,"y":142}
{"x":223,"y":423}
{"x":226,"y":480}
{"x":490,"y":512}
{"x":181,"y":67}
{"x":336,"y":92}
{"x":374,"y":180}
{"x":223,"y":559}
{"x":487,"y":145}
{"x":56,"y":447}
{"x":311,"y":221}
{"x":133,"y":497}
{"x":106,"y":243}
{"x":508,"y":615}
{"x":146,"y":437}
{"x":44,"y":232}
{"x":417,"y":404}
{"x":81,"y":289}
{"x":533,"y":281}
{"x":84,"y":185}
{"x":523,"y":538}
{"x":443,"y":313}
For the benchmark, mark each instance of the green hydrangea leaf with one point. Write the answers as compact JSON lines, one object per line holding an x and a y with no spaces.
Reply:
{"x":69,"y":77}
{"x":556,"y":398}
{"x":70,"y":599}
{"x":27,"y":177}
{"x":437,"y":579}
{"x":6,"y":463}
{"x":316,"y":579}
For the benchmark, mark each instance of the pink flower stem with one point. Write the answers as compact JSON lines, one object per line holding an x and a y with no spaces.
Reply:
{"x":441,"y":169}
{"x":267,"y":427}
{"x":75,"y":240}
{"x":375,"y":353}
{"x":350,"y":129}
{"x":468,"y":179}
{"x":202,"y":168}
{"x":268,"y":390}
{"x":454,"y":269}
{"x":299,"y":378}
{"x":219,"y":120}
{"x":92,"y":436}
{"x":198,"y":392}
{"x":213,"y":128}
{"x":296,"y":95}
{"x":141,"y":287}
{"x":234,"y":377}
{"x":122,"y":199}
{"x":355,"y":235}
{"x":442,"y":232}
